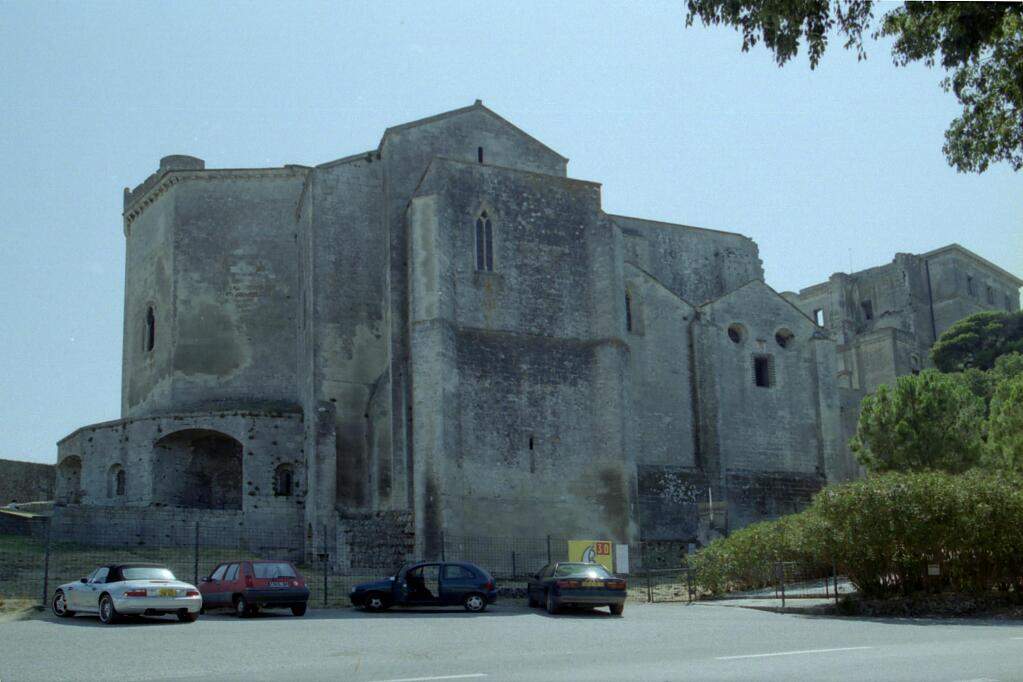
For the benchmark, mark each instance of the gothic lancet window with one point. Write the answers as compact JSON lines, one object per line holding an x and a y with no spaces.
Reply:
{"x":484,"y":243}
{"x":628,"y":311}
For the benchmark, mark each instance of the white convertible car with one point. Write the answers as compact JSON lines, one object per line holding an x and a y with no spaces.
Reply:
{"x":128,"y":589}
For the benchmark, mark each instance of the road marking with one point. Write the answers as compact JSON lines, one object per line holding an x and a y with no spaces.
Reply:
{"x":795,"y":653}
{"x":439,"y":677}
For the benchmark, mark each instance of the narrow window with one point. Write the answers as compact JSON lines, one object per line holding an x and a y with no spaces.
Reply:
{"x":484,"y":243}
{"x":628,"y":311}
{"x":115,"y":481}
{"x":868,"y":309}
{"x":818,"y":317}
{"x":1008,"y":303}
{"x":763,"y":371}
{"x":990,"y":296}
{"x":969,"y":286}
{"x":120,"y":482}
{"x":530,"y":442}
{"x":283,"y":481}
{"x":479,"y":154}
{"x":150,"y":329}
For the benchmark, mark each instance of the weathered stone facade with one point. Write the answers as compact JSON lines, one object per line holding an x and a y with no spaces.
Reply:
{"x":25,"y":481}
{"x":447,"y":335}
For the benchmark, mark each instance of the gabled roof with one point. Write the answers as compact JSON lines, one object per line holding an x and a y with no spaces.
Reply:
{"x":711,"y":302}
{"x":477,"y":105}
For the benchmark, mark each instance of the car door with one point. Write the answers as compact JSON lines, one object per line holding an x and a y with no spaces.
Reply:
{"x":455,"y":583}
{"x":212,"y":591}
{"x":230,"y":584}
{"x":75,"y":591}
{"x":422,"y":585}
{"x":96,"y":585}
{"x":535,"y":587}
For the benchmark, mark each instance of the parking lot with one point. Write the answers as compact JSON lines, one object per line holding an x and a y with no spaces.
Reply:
{"x":512,"y":642}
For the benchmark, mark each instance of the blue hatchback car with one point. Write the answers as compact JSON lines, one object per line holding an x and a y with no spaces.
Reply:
{"x":429,"y":583}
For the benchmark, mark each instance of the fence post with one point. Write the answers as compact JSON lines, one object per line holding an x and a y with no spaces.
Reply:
{"x":326,"y":566}
{"x":46,"y":566}
{"x":442,"y":558}
{"x":548,"y":549}
{"x":834,"y":576}
{"x":781,"y":581}
{"x":514,"y":572}
{"x":195,"y":565}
{"x":689,"y":583}
{"x":649,"y":589}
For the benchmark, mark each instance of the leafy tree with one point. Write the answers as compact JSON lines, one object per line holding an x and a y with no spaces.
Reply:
{"x":1005,"y":426}
{"x":929,"y":421}
{"x":980,"y":45}
{"x":978,"y":340}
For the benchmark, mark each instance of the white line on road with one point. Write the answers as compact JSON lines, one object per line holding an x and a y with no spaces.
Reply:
{"x":795,"y":653}
{"x":441,"y":677}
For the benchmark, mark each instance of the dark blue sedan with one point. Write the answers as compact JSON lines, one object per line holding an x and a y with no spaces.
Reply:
{"x":429,"y":583}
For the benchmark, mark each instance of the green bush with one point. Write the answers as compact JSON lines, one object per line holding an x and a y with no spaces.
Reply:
{"x":884,"y":532}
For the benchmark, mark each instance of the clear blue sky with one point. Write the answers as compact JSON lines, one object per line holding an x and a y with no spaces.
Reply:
{"x":831,"y":169}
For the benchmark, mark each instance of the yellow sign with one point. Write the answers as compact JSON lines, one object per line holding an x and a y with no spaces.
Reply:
{"x":591,"y":551}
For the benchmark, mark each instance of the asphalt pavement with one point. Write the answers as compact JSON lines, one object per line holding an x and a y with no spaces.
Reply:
{"x":511,"y":642}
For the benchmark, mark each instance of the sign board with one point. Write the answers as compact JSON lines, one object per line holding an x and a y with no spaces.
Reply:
{"x":592,"y":551}
{"x":621,"y":559}
{"x":933,"y":569}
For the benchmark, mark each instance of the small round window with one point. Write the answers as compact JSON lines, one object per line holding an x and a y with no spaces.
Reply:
{"x":784,"y":337}
{"x":737,"y":333}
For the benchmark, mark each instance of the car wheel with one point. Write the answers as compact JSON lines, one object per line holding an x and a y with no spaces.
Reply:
{"x":475,"y":603}
{"x":107,"y":612}
{"x":298,"y":610}
{"x":59,"y":605}
{"x":552,"y":603}
{"x":617,"y":609}
{"x":241,"y":607}
{"x":186,"y":616}
{"x":375,"y":602}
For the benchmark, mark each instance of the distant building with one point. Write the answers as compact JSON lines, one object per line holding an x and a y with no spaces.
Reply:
{"x":446,"y":334}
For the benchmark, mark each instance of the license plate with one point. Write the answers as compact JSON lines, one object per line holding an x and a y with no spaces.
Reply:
{"x":279,"y":584}
{"x":167,"y":592}
{"x":592,"y":583}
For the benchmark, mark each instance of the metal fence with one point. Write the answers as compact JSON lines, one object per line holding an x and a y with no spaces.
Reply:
{"x":33,"y":564}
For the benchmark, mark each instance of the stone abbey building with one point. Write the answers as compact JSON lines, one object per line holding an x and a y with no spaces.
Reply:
{"x":448,"y":334}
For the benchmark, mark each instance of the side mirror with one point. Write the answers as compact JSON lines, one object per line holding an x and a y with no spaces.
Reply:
{"x":206,"y":579}
{"x":83,"y":580}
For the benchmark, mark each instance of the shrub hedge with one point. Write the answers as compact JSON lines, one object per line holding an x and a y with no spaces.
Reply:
{"x":883,"y":533}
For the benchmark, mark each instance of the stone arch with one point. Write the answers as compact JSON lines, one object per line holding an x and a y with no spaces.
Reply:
{"x":69,"y":480}
{"x":198,"y":468}
{"x":284,"y":480}
{"x":116,"y":481}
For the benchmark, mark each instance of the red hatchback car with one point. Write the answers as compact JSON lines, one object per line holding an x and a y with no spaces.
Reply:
{"x":247,"y":586}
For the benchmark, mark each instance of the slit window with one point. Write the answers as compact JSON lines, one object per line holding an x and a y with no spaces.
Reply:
{"x":763,"y":371}
{"x":479,"y":154}
{"x":484,"y":243}
{"x":1008,"y":303}
{"x":818,"y":317}
{"x":970,"y":289}
{"x":628,"y":311}
{"x":150,"y":337}
{"x":990,"y":296}
{"x":868,"y":309}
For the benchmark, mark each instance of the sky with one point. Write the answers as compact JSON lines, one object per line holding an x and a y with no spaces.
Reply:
{"x":828,"y":170}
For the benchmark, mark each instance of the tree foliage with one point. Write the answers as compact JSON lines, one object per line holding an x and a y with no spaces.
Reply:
{"x":979,"y":340}
{"x":1004,"y":450}
{"x":980,"y":44}
{"x":884,"y":532}
{"x":929,"y":421}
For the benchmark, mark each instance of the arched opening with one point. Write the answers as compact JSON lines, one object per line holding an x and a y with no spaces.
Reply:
{"x":69,"y":480}
{"x":198,"y":468}
{"x":484,"y":243}
{"x":116,"y":479}
{"x":284,"y":480}
{"x":784,"y":337}
{"x":737,"y":333}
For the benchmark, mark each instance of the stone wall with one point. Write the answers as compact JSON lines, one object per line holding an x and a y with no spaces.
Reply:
{"x":25,"y":481}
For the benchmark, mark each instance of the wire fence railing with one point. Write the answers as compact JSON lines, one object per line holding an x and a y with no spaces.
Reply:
{"x":33,"y":562}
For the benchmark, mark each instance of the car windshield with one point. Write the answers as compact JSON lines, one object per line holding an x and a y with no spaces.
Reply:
{"x":278,"y":569}
{"x":146,"y":573}
{"x":581,"y":570}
